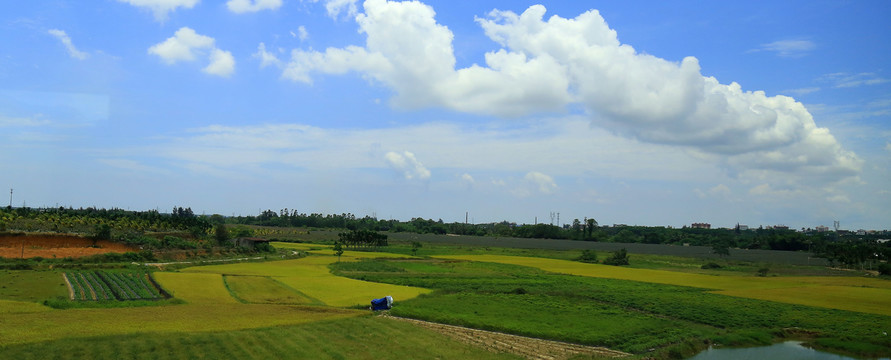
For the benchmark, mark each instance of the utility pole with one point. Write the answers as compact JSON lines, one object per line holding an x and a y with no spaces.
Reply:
{"x":10,"y":198}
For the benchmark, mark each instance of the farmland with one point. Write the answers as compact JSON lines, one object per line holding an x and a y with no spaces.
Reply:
{"x":328,"y":339}
{"x":111,"y":285}
{"x":662,"y":307}
{"x":308,"y":278}
{"x":862,"y":295}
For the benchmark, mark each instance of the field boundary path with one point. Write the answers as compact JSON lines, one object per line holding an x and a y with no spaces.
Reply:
{"x":159,"y":264}
{"x":527,"y":347}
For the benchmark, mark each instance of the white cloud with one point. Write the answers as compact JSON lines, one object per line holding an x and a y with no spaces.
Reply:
{"x":802,"y":91}
{"x":788,"y":48}
{"x":22,"y":121}
{"x":187,"y":45}
{"x":72,"y":50}
{"x":888,"y":146}
{"x":221,"y":63}
{"x":467,"y":178}
{"x":336,"y":7}
{"x":847,"y":80}
{"x":544,"y":183}
{"x":719,"y":190}
{"x":302,"y":34}
{"x":131,"y":165}
{"x":184,"y":45}
{"x":548,"y":65}
{"x":244,"y":6}
{"x":406,"y":164}
{"x":266,"y":58}
{"x":407,"y":50}
{"x":839,"y":199}
{"x":161,"y":8}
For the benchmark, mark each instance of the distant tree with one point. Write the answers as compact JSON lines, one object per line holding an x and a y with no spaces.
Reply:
{"x":414,"y":247}
{"x":590,"y":224}
{"x":625,"y":236}
{"x":101,"y":232}
{"x":618,"y":258}
{"x":763,"y":272}
{"x":362,"y":238}
{"x":338,"y":250}
{"x":220,"y":233}
{"x":240,"y":232}
{"x":721,"y":249}
{"x":885,"y":269}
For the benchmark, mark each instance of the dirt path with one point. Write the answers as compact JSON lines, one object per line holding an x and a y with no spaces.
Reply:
{"x":527,"y":347}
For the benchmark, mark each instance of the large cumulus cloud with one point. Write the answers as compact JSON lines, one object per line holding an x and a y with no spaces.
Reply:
{"x":547,"y":65}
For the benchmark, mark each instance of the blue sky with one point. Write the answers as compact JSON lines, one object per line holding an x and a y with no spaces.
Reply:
{"x":647,"y":113}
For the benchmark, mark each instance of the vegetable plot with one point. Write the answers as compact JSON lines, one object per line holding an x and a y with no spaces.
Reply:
{"x":109,"y":285}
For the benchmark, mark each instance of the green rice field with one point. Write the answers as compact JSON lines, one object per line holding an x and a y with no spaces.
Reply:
{"x":848,"y":293}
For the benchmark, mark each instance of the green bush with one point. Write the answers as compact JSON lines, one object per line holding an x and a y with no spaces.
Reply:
{"x":618,"y":258}
{"x":711,"y":265}
{"x":885,"y":269}
{"x":588,"y":256}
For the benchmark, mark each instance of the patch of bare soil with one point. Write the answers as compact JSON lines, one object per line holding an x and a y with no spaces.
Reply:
{"x":527,"y":347}
{"x":59,"y":246}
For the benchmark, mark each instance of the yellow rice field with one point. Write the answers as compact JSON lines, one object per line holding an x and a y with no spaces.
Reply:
{"x":844,"y":293}
{"x":195,"y":288}
{"x":311,"y":277}
{"x":58,"y":324}
{"x":265,"y":290}
{"x":21,"y":307}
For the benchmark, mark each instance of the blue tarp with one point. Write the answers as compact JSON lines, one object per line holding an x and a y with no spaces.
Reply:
{"x":384,"y":303}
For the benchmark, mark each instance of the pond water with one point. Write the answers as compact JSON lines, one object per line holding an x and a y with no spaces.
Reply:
{"x":790,"y":350}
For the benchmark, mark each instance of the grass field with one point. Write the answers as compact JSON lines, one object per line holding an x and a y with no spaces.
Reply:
{"x":848,"y":293}
{"x":31,"y":285}
{"x":21,"y":307}
{"x":371,"y":338}
{"x":51,"y":325}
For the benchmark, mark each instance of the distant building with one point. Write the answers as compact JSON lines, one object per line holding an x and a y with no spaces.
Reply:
{"x":822,"y":228}
{"x":781,"y":227}
{"x":743,"y":227}
{"x":861,"y":232}
{"x":701,"y":226}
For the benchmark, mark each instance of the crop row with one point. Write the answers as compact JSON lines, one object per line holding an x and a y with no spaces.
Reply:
{"x":108,"y":285}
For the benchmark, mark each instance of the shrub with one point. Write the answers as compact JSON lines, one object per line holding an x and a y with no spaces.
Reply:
{"x":588,"y":256}
{"x":711,"y":265}
{"x":885,"y":269}
{"x":763,"y":272}
{"x":618,"y":258}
